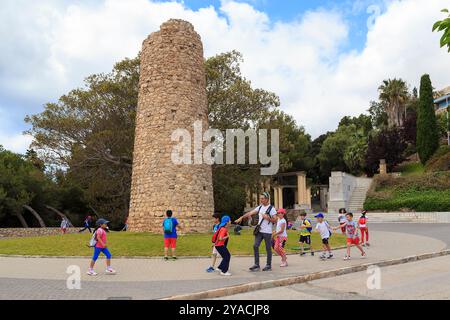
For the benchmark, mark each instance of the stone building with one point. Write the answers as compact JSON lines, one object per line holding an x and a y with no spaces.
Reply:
{"x":172,"y":95}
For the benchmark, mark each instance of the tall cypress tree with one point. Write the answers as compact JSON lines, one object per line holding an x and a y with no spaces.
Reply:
{"x":427,"y":130}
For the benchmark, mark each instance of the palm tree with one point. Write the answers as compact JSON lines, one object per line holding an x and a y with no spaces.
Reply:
{"x":394,"y":96}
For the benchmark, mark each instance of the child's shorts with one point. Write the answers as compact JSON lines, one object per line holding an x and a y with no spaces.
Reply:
{"x":97,"y":252}
{"x":354,"y":241}
{"x":343,"y":229}
{"x":170,"y":243}
{"x":305,"y":239}
{"x":325,"y":240}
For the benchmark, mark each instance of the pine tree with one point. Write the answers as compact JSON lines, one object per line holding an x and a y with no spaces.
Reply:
{"x":427,"y":130}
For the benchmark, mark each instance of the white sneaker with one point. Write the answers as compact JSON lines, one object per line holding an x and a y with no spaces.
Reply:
{"x":347,"y":258}
{"x":225,"y":274}
{"x":110,"y":271}
{"x":91,"y":273}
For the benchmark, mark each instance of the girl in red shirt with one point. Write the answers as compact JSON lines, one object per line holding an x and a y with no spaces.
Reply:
{"x":220,"y":240}
{"x":362,"y":222}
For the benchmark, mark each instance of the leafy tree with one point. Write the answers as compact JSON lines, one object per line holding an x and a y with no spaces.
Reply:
{"x":294,"y":142}
{"x":444,"y":25}
{"x":427,"y":130}
{"x":90,"y":132}
{"x":378,"y":115}
{"x":331,"y":155}
{"x":394,"y":96}
{"x":232,"y":102}
{"x":315,"y":172}
{"x":354,"y":155}
{"x":20,"y":184}
{"x":387,"y":144}
{"x":362,"y":122}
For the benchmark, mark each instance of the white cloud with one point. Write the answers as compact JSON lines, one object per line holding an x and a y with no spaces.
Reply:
{"x":18,"y":143}
{"x":53,"y":45}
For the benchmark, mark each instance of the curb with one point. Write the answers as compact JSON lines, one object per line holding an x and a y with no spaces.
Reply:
{"x":138,"y":257}
{"x":268,"y":284}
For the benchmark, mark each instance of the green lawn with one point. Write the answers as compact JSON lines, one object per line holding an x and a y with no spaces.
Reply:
{"x":124,"y":244}
{"x":412,"y":169}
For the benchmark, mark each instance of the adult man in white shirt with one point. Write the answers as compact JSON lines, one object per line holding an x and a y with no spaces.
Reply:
{"x":267,"y":218}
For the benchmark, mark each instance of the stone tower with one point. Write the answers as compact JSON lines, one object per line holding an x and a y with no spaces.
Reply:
{"x":172,"y":95}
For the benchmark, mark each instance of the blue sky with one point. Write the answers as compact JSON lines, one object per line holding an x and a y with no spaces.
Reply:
{"x":319,"y":56}
{"x":287,"y":10}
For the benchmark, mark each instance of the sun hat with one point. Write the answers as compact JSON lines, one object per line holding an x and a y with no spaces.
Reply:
{"x":281,"y":211}
{"x":224,"y":221}
{"x":101,"y":221}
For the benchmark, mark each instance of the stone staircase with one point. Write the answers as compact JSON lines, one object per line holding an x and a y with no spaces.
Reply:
{"x":356,"y":202}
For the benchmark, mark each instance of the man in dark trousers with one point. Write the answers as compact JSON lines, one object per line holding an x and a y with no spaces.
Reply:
{"x":267,"y":217}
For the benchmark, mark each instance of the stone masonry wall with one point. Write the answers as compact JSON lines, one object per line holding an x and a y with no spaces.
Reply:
{"x":172,"y":95}
{"x":32,"y":232}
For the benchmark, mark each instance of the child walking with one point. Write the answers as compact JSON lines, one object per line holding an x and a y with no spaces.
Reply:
{"x":220,"y":240}
{"x":101,"y":246}
{"x":64,"y":225}
{"x":351,"y":231}
{"x":215,"y":253}
{"x":341,"y":219}
{"x":362,"y":223}
{"x":280,"y":236}
{"x":170,"y":225}
{"x":305,"y":234}
{"x":324,"y":229}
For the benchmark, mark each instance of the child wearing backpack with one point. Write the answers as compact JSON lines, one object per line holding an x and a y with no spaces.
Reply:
{"x":98,"y":241}
{"x":362,"y":223}
{"x":215,"y":253}
{"x":324,"y":229}
{"x":220,"y":240}
{"x":170,"y":225}
{"x":305,"y":234}
{"x":280,"y":237}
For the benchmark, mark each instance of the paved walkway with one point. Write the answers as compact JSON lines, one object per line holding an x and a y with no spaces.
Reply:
{"x":45,"y":278}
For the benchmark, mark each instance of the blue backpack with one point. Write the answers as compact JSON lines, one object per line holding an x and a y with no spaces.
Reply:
{"x":168,"y":225}
{"x":310,"y":228}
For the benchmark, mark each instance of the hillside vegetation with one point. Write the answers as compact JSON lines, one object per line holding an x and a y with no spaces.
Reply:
{"x":419,"y":188}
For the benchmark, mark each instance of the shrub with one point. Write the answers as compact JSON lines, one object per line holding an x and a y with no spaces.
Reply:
{"x":440,"y":160}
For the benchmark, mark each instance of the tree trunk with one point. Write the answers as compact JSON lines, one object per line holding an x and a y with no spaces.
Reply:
{"x":37,"y":216}
{"x":59,"y":213}
{"x":22,"y":220}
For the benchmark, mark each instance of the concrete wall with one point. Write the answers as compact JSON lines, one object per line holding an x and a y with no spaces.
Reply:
{"x":342,"y":185}
{"x":341,"y":188}
{"x":32,"y":232}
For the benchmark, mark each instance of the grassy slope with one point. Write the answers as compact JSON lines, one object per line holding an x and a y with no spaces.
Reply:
{"x":141,"y":244}
{"x":414,"y":191}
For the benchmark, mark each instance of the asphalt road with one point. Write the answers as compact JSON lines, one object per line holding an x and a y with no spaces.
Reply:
{"x":440,"y":231}
{"x":424,"y":280}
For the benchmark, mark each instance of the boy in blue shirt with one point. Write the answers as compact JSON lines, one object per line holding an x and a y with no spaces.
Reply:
{"x":170,"y":225}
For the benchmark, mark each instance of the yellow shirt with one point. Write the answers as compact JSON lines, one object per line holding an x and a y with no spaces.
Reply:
{"x":305,"y":231}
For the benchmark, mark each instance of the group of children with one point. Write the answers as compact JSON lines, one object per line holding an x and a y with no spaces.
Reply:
{"x":221,"y":237}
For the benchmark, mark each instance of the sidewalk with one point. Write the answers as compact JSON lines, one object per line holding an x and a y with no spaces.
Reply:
{"x":45,"y":278}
